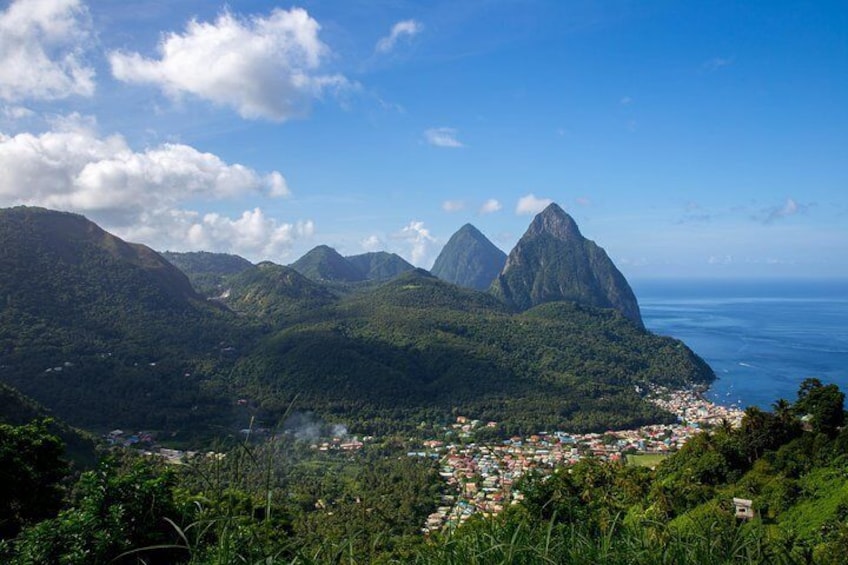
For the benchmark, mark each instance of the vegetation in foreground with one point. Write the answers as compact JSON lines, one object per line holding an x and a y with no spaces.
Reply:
{"x":270,"y":503}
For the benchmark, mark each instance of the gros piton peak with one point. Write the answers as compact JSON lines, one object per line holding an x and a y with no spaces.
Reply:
{"x":553,"y":261}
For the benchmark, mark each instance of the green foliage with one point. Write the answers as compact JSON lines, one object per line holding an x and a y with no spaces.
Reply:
{"x":278,"y":502}
{"x":117,"y":508}
{"x":418,"y":348}
{"x":208,"y":272}
{"x":824,"y":404}
{"x":31,"y":468}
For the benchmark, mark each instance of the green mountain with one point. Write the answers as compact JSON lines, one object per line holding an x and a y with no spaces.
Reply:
{"x":109,"y":334}
{"x":273,"y":292}
{"x":469,"y":259}
{"x":379,"y":265}
{"x":101,"y":331}
{"x":208,"y":272}
{"x":325,"y":264}
{"x":418,"y":349}
{"x":552,"y":261}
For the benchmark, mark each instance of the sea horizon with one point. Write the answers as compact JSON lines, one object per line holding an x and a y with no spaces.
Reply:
{"x":762,"y":337}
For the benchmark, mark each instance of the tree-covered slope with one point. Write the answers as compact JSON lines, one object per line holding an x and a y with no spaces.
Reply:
{"x":379,"y":265}
{"x":552,"y":261}
{"x":325,"y":264}
{"x":469,"y":259}
{"x":275,"y":293}
{"x":102,"y":331}
{"x":109,"y":334}
{"x":208,"y":272}
{"x":18,"y":410}
{"x":420,"y":346}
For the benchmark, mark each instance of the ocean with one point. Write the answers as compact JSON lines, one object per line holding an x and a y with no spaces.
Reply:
{"x":762,"y":338}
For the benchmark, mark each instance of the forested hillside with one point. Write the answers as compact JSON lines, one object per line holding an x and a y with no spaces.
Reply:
{"x":279,"y":501}
{"x":109,"y":335}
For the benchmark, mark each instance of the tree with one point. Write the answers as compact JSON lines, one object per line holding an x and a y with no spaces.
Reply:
{"x":823,"y":403}
{"x":31,"y":468}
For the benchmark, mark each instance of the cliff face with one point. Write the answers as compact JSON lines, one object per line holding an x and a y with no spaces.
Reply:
{"x":469,"y":260}
{"x":553,"y":261}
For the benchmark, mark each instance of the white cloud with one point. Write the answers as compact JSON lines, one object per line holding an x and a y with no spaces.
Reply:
{"x":277,"y":185}
{"x":261,"y":67}
{"x":141,"y":195}
{"x":419,"y":240}
{"x":625,"y":101}
{"x":42,"y":46}
{"x":372,"y":243}
{"x":531,"y":205}
{"x":583,"y":201}
{"x":453,"y":205}
{"x":408,"y":28}
{"x":442,"y":137}
{"x":253,"y":235}
{"x":490,"y":206}
{"x":17,"y":112}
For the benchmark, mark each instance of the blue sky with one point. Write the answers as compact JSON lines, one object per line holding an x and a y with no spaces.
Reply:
{"x":686,"y":138}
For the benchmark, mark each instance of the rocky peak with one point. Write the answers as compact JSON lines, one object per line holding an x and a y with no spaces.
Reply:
{"x":554,"y":221}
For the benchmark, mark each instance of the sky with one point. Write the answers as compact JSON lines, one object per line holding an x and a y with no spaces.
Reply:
{"x":689,"y":139}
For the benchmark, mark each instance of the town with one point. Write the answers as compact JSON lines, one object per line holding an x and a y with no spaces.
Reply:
{"x":481,"y":476}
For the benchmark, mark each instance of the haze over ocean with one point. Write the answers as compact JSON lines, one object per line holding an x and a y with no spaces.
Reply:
{"x":762,"y":338}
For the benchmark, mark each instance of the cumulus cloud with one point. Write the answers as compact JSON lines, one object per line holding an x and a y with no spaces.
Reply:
{"x":405,"y":28}
{"x":42,"y":47}
{"x":442,"y":137}
{"x":261,"y":67}
{"x":253,"y":234}
{"x":453,"y":205}
{"x":531,"y":205}
{"x":490,"y":206}
{"x":140,"y":195}
{"x":418,"y":240}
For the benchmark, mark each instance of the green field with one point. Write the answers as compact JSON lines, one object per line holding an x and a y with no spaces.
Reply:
{"x":646,"y":459}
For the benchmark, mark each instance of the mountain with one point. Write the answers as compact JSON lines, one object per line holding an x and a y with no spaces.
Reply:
{"x":274,"y":292}
{"x":109,"y":334}
{"x":552,"y":261}
{"x":101,"y":331}
{"x":380,"y":265}
{"x":208,"y":272}
{"x":325,"y":264}
{"x":469,"y":259}
{"x":417,"y":349}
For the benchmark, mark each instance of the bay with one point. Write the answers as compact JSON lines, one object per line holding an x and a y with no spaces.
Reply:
{"x":762,"y":338}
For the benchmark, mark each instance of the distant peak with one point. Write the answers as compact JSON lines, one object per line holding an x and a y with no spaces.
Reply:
{"x":555,"y":221}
